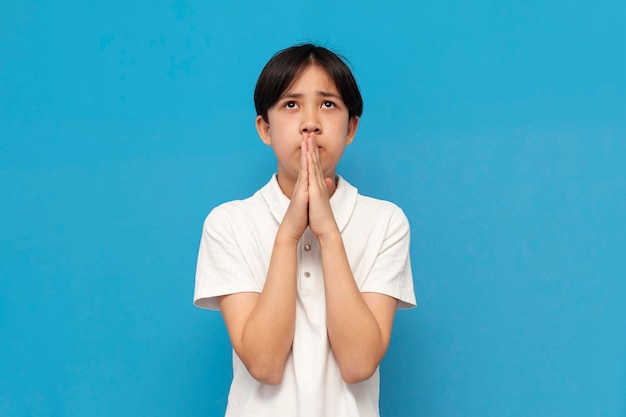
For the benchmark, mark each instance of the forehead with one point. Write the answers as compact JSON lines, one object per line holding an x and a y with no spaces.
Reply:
{"x":313,"y":77}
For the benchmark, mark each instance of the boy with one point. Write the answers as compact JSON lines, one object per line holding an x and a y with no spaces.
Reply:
{"x":307,"y":273}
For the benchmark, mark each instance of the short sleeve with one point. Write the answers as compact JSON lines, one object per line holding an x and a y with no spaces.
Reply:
{"x":222,"y":268}
{"x":391,"y":272}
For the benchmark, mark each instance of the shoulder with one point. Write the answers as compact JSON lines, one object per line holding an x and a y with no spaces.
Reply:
{"x":375,"y":221}
{"x":368,"y":211}
{"x":380,"y":211}
{"x":371,"y":203}
{"x":233,"y":211}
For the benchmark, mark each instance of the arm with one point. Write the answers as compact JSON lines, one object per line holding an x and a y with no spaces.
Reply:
{"x":261,"y":326}
{"x":359,"y":324}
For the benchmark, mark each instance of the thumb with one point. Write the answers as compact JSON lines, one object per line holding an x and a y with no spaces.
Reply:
{"x":329,"y":184}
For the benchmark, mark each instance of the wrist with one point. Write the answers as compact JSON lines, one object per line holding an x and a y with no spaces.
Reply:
{"x":287,"y":239}
{"x":330,"y":239}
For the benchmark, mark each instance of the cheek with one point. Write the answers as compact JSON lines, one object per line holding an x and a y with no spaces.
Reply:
{"x":282,"y":129}
{"x":340,"y":125}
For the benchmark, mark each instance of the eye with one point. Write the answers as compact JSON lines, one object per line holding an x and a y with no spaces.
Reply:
{"x":328,"y":104}
{"x":290,"y":105}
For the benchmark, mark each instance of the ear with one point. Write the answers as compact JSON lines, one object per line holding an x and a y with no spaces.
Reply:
{"x":263,"y":129}
{"x":353,"y":123}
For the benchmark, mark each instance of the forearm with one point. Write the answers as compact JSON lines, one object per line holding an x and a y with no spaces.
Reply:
{"x":268,"y":333}
{"x":355,"y":335}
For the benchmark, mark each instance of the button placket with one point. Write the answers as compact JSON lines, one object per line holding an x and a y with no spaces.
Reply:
{"x":308,"y":281}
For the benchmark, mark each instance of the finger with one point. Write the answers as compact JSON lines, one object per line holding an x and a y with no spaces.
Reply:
{"x":303,"y":175}
{"x":314,"y":171}
{"x":315,"y":162}
{"x":312,"y":154}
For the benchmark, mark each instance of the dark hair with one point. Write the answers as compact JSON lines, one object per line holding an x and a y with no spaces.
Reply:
{"x":285,"y":66}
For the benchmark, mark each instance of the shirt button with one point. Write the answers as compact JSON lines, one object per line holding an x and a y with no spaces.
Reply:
{"x":307,"y":274}
{"x":307,"y":247}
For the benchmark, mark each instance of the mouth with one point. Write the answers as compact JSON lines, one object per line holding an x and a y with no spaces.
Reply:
{"x":319,"y":148}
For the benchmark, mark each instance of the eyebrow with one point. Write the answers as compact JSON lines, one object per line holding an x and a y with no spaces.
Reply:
{"x":319,"y":93}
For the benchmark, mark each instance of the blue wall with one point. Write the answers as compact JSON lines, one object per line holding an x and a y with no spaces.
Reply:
{"x":500,"y":128}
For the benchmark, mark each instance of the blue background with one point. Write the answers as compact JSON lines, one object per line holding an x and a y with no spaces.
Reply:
{"x":499,"y":127}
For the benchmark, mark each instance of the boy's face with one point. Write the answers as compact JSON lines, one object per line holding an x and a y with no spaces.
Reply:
{"x":311,"y":106}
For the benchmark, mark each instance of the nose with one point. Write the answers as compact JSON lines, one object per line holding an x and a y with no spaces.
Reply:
{"x":310,"y":123}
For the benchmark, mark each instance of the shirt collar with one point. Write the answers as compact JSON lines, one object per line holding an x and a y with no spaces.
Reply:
{"x":342,"y":202}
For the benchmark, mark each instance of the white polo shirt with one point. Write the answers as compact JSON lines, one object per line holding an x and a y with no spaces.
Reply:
{"x":235,"y":250}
